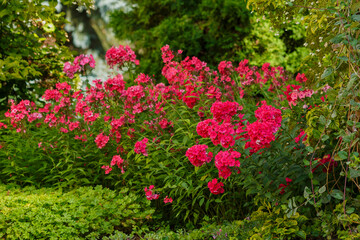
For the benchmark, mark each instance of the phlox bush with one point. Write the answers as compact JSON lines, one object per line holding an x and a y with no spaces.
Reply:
{"x":139,"y":133}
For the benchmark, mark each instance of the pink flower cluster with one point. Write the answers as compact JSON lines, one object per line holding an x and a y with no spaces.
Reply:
{"x":3,"y":125}
{"x":215,"y":187}
{"x":78,"y":65}
{"x":262,"y":132}
{"x":198,"y":156}
{"x":150,"y":193}
{"x":224,"y":160}
{"x":224,"y":110}
{"x":168,"y":199}
{"x":119,"y":162}
{"x":107,"y":169}
{"x":118,"y":56}
{"x":140,"y":147}
{"x":101,"y":140}
{"x":301,"y":78}
{"x":115,"y":108}
{"x":294,"y":94}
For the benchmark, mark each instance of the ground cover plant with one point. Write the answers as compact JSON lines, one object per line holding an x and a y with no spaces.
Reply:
{"x":84,"y":213}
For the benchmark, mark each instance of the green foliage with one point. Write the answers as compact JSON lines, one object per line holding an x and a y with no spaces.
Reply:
{"x":84,"y":213}
{"x":271,"y":222}
{"x":41,"y":157}
{"x":210,"y":30}
{"x":226,"y":230}
{"x":279,"y":48}
{"x":32,"y":47}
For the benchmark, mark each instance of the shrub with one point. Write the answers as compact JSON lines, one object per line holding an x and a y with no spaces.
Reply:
{"x":160,"y":140}
{"x":86,"y":212}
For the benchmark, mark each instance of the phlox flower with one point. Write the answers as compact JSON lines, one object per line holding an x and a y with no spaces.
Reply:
{"x":224,"y":110}
{"x":63,"y":86}
{"x":283,"y":186}
{"x":52,"y":94}
{"x":215,"y":187}
{"x":142,"y":78}
{"x":64,"y":130}
{"x":115,"y":84}
{"x":117,"y":160}
{"x":101,"y":140}
{"x":168,"y":200}
{"x":140,"y":147}
{"x":107,"y":169}
{"x":268,"y":113}
{"x":190,"y":97}
{"x":198,"y":156}
{"x":73,"y":125}
{"x":83,"y":138}
{"x":167,"y":54}
{"x":323,"y":162}
{"x":118,"y":56}
{"x":224,"y":160}
{"x":150,"y":194}
{"x":300,"y":77}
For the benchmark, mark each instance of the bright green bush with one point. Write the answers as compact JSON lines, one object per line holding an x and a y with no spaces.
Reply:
{"x":84,"y":213}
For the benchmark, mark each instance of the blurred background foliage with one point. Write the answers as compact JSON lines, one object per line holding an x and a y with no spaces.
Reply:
{"x":210,"y":30}
{"x":32,"y":47}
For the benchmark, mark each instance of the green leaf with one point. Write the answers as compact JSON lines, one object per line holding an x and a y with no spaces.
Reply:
{"x":322,"y":189}
{"x":337,"y":39}
{"x":309,"y":149}
{"x":184,"y":185}
{"x":343,"y":155}
{"x":327,"y":72}
{"x":337,"y":194}
{"x":322,"y":120}
{"x":201,"y":201}
{"x":185,"y":139}
{"x":301,"y":234}
{"x":355,"y":17}
{"x":343,"y":58}
{"x":324,"y":138}
{"x":49,"y":27}
{"x":354,"y":173}
{"x":306,"y":192}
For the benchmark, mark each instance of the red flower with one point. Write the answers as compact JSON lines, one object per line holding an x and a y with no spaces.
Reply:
{"x":150,"y":195}
{"x":117,"y":160}
{"x":119,"y":56}
{"x":198,"y":156}
{"x":215,"y":187}
{"x":140,"y":147}
{"x":168,"y":200}
{"x":107,"y":168}
{"x":101,"y":140}
{"x":225,"y":160}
